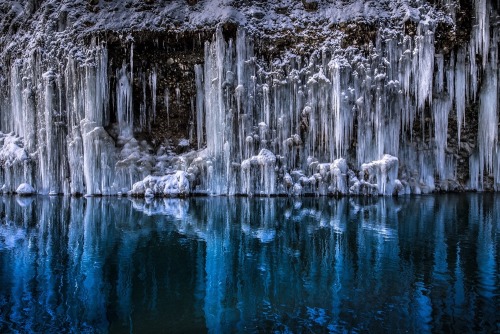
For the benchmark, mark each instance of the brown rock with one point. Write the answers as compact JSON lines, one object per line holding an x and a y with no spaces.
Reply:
{"x":310,"y":5}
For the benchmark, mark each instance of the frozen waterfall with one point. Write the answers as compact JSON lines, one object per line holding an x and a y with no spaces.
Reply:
{"x":387,"y":120}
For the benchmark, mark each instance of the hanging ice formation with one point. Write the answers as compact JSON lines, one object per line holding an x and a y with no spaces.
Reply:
{"x":53,"y":128}
{"x":338,"y":121}
{"x":280,"y":129}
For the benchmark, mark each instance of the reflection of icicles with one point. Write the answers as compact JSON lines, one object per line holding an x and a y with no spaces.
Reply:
{"x":94,"y":237}
{"x":172,"y":207}
{"x":217,"y":266}
{"x":239,"y":258}
{"x":423,"y":307}
{"x":440,"y":269}
{"x":487,"y":255}
{"x":126,"y":268}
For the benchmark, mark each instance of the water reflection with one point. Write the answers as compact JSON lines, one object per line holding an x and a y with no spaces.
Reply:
{"x":416,"y":264}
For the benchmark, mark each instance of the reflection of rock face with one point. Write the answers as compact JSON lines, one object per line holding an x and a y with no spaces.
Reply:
{"x":99,"y":95}
{"x":220,"y":263}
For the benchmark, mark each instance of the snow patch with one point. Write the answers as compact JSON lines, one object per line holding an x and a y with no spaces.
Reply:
{"x":172,"y":185}
{"x":25,"y":189}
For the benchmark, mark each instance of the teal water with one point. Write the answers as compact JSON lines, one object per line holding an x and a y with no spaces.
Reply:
{"x":250,"y":265}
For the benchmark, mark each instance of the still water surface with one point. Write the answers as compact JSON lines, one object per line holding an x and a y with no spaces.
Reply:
{"x":218,"y":265}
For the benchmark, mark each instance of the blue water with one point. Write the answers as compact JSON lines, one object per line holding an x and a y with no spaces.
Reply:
{"x":250,"y":265}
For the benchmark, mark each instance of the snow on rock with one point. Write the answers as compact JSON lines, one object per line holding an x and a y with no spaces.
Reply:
{"x":135,"y":163}
{"x":339,"y":175}
{"x":264,"y":235}
{"x":259,"y":167}
{"x":382,"y":173}
{"x":14,"y":161}
{"x":12,"y":150}
{"x":171,"y":185}
{"x":25,"y":189}
{"x":297,"y":189}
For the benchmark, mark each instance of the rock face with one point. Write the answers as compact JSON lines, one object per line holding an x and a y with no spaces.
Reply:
{"x":249,"y":97}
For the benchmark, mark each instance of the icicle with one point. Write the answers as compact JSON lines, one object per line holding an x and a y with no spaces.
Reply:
{"x":483,"y":28}
{"x":241,"y":57}
{"x":425,"y":65}
{"x":439,"y":78}
{"x":75,"y":160}
{"x":198,"y":70}
{"x":75,"y":110}
{"x":266,"y":106}
{"x":98,"y":146}
{"x":488,"y":120}
{"x":336,"y":111}
{"x":441,"y":109}
{"x":102,"y":89}
{"x":132,"y":62}
{"x":496,"y":168}
{"x":473,"y":72}
{"x":384,"y":172}
{"x":460,"y":86}
{"x":16,"y":120}
{"x":124,"y":102}
{"x":426,"y":169}
{"x":29,"y":117}
{"x":450,"y":78}
{"x":338,"y":170}
{"x":143,"y":117}
{"x":192,"y":117}
{"x":152,"y":85}
{"x":48,"y":161}
{"x":215,"y":118}
{"x":406,"y":67}
{"x":475,"y":183}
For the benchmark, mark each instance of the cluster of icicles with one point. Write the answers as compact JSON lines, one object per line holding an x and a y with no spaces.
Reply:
{"x":332,"y":123}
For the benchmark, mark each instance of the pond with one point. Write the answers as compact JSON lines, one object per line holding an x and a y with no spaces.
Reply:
{"x":251,"y":265}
